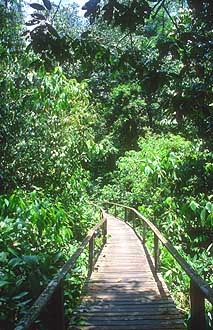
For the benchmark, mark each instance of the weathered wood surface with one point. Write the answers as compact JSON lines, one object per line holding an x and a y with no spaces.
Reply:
{"x":123,"y":291}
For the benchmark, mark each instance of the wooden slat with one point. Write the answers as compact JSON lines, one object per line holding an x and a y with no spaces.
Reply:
{"x":133,"y":322}
{"x":134,"y":318}
{"x":123,"y":292}
{"x":128,"y":327}
{"x":128,"y":311}
{"x":137,"y":301}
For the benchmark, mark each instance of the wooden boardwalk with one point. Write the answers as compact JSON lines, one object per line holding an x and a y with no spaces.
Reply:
{"x":123,"y":292}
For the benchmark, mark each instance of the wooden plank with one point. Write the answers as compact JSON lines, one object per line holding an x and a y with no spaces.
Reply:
{"x":140,"y":281}
{"x":126,"y":321}
{"x":128,"y":309}
{"x":142,"y":304}
{"x":164,"y":308}
{"x":123,"y":290}
{"x":123,"y":314}
{"x":136,"y":301}
{"x":123,"y":298}
{"x":134,"y":318}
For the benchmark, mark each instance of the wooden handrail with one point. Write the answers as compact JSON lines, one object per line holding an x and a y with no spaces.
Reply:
{"x":199,"y":289}
{"x":53,"y":291}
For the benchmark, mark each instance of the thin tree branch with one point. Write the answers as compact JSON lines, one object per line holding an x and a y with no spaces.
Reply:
{"x":178,"y":30}
{"x":131,"y":41}
{"x":159,"y":4}
{"x":168,"y":13}
{"x":57,"y":9}
{"x":126,"y":35}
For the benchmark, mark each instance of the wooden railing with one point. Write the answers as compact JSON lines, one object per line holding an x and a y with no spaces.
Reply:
{"x":199,"y":289}
{"x":50,"y":301}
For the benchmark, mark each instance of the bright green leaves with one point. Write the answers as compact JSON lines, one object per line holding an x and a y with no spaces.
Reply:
{"x":203,"y":211}
{"x":168,"y":177}
{"x":6,"y":201}
{"x":203,"y":216}
{"x":155,"y":160}
{"x":32,"y":218}
{"x":209,"y":207}
{"x":36,"y":236}
{"x":48,"y":133}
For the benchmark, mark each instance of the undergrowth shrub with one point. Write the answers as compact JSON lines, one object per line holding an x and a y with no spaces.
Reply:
{"x":37,"y":236}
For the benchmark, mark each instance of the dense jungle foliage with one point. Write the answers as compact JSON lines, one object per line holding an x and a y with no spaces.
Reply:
{"x":113,"y":106}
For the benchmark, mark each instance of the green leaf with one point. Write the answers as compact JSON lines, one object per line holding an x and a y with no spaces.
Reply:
{"x":38,"y":16}
{"x":210,"y":220}
{"x":31,"y":260}
{"x":24,"y":303}
{"x":209,"y":207}
{"x":11,"y":250}
{"x":37,"y":6}
{"x":47,"y":4}
{"x":203,"y":216}
{"x":193,"y":205}
{"x":168,"y":273}
{"x":6,"y":202}
{"x":20,"y":295}
{"x":3,"y":256}
{"x":3,"y":283}
{"x":147,"y":170}
{"x":52,"y":30}
{"x":15,"y":262}
{"x":169,"y":200}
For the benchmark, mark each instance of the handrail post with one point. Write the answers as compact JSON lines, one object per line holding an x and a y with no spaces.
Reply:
{"x":125,"y":214}
{"x":144,"y":232}
{"x":56,"y":320}
{"x":156,"y":252}
{"x":133,"y":220}
{"x":115,"y":211}
{"x":197,"y":320}
{"x":91,"y":254}
{"x":105,"y":231}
